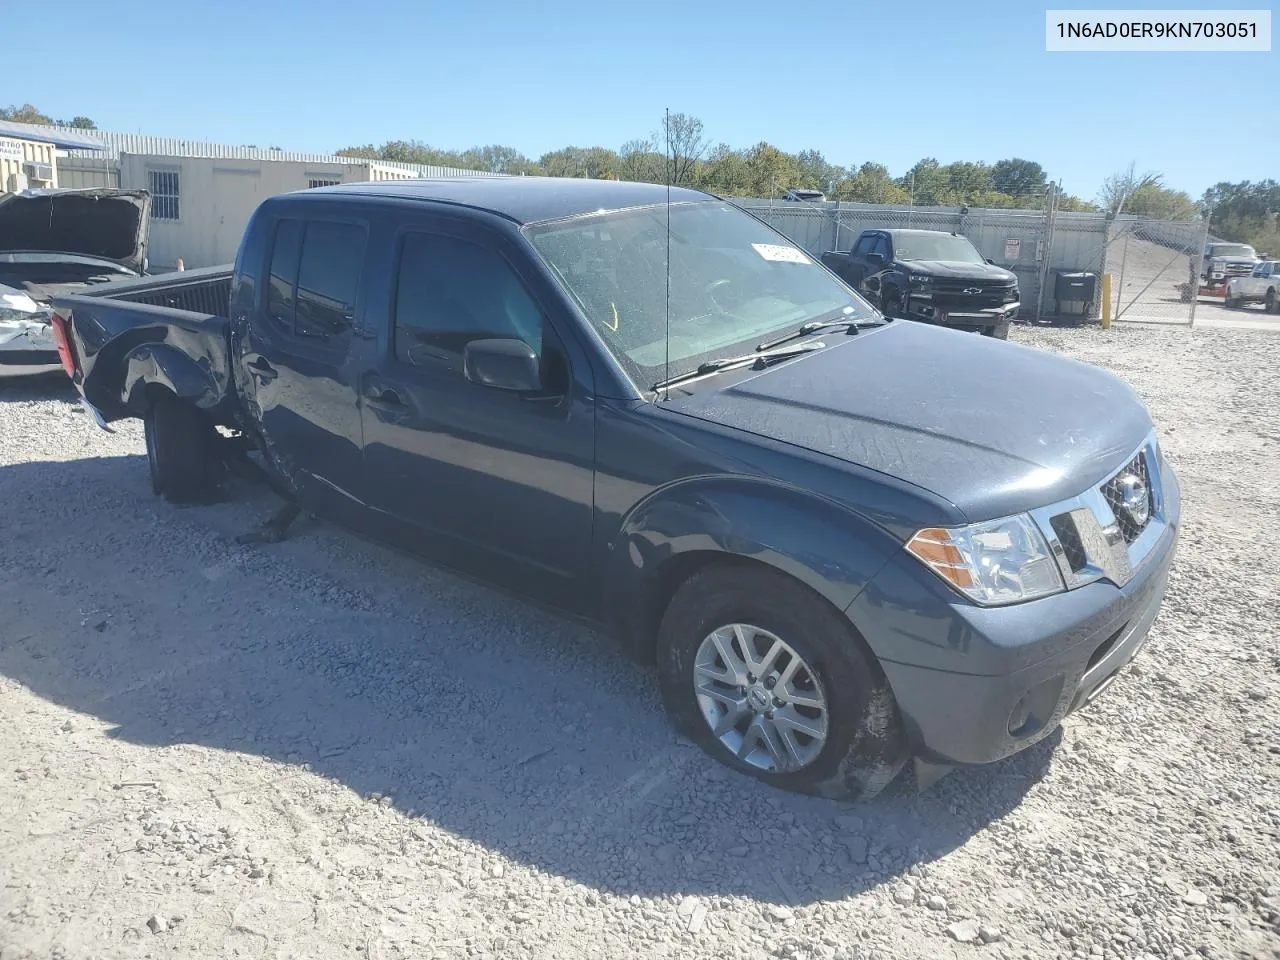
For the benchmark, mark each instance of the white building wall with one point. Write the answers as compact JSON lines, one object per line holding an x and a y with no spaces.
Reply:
{"x":215,"y":198}
{"x":79,"y":173}
{"x":16,"y":154}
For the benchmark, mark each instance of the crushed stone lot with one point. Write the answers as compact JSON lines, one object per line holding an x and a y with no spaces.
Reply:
{"x":323,"y":748}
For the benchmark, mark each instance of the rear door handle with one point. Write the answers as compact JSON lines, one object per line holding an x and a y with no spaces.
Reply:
{"x":263,"y":370}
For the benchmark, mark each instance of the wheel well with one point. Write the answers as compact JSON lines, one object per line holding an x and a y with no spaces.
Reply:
{"x":676,"y":571}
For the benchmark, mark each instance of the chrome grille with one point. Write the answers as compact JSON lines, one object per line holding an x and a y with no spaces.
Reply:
{"x":1064,"y":526}
{"x":1093,"y":536}
{"x":1130,"y":528}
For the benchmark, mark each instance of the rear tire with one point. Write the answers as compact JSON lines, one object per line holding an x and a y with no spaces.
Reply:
{"x":862,"y":747}
{"x":181,"y":452}
{"x":1230,"y":302}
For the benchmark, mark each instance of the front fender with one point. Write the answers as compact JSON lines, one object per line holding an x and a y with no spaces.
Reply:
{"x":170,"y":367}
{"x":822,"y":544}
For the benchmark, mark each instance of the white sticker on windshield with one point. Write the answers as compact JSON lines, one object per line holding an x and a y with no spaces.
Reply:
{"x":781,"y":253}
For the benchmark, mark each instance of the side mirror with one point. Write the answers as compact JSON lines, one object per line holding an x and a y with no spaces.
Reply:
{"x":990,"y":261}
{"x":875,"y":259}
{"x":503,"y":365}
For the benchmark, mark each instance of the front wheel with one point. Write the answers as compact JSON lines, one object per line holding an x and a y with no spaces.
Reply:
{"x":891,"y":303}
{"x":998,"y":330}
{"x":768,"y":679}
{"x":1230,"y":302}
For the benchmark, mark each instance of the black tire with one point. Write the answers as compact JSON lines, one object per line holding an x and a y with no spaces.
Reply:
{"x":999,"y":330}
{"x":181,"y":452}
{"x":1271,"y":303}
{"x":865,"y":747}
{"x":891,"y":303}
{"x":1230,"y":302}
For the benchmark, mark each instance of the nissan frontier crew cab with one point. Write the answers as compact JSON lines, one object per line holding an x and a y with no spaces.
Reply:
{"x":846,"y":543}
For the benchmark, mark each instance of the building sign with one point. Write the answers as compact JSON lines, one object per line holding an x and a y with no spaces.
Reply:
{"x":1012,"y":248}
{"x":11,"y":150}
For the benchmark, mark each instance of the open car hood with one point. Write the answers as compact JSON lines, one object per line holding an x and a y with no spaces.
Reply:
{"x":100,"y":222}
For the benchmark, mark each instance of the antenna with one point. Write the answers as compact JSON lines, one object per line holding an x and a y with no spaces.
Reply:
{"x":666,"y":394}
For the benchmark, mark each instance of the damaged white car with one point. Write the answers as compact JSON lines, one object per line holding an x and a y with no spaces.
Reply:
{"x":54,"y":242}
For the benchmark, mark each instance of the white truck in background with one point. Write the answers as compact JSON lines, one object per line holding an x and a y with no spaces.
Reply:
{"x":1222,"y":261}
{"x":1260,"y":286}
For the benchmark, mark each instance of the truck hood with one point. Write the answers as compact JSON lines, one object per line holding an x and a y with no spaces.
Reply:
{"x":991,"y":426}
{"x":960,"y":270}
{"x":104,"y":223}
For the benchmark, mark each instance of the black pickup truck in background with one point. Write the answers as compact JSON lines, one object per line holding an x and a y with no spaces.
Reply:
{"x":930,"y":276}
{"x":837,"y":562}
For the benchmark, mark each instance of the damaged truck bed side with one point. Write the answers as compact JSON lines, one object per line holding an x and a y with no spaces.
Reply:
{"x":846,"y":542}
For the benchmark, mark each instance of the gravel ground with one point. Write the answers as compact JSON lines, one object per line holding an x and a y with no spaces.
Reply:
{"x":322,"y":748}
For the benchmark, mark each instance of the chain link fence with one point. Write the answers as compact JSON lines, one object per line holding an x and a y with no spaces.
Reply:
{"x":1058,"y":256}
{"x":1155,"y":267}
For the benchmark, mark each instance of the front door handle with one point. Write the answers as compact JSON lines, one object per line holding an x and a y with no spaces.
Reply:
{"x":263,"y":370}
{"x":383,"y":398}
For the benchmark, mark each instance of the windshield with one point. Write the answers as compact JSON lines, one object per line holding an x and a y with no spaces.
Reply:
{"x":930,"y":246}
{"x":1233,"y":250}
{"x":734,"y":282}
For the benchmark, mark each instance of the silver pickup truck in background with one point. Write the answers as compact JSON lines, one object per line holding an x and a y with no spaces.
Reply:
{"x":1222,"y":261}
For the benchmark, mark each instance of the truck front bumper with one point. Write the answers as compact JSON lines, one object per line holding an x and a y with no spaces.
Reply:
{"x":927,"y":311}
{"x":1039,"y":660}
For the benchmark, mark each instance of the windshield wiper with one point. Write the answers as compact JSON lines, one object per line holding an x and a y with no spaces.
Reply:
{"x":758,"y":359}
{"x":813,"y":326}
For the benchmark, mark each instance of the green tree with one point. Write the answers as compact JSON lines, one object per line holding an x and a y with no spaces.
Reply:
{"x":724,"y":172}
{"x":816,"y":173}
{"x":1019,"y":178}
{"x":871,"y":184}
{"x":1246,"y":212}
{"x":769,"y":171}
{"x":640,"y":160}
{"x":598,"y":163}
{"x":24,"y":114}
{"x":683,"y":144}
{"x":925,"y":183}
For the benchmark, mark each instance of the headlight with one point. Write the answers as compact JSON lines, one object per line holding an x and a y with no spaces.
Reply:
{"x":19,"y":306}
{"x":992,"y":563}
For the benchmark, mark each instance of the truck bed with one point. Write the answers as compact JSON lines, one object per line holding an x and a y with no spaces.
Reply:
{"x":132,"y":337}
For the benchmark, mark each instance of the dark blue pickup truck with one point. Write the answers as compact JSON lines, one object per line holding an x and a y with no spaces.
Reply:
{"x":847,"y":543}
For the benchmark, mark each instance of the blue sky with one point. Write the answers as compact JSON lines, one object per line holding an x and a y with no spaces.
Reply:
{"x":884,"y":81}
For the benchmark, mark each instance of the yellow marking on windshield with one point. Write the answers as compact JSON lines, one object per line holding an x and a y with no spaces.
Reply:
{"x":613,"y":326}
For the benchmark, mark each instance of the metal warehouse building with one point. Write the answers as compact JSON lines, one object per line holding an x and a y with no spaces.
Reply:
{"x":202,"y":193}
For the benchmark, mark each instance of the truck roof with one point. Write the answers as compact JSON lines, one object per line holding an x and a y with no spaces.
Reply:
{"x":521,"y":199}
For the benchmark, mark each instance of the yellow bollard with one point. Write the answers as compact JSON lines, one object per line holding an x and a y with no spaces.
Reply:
{"x":1106,"y":301}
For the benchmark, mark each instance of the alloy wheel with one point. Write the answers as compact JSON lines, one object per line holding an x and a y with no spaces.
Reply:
{"x":760,"y":698}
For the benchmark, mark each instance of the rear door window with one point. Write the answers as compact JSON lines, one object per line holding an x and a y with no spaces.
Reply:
{"x":328,"y":279}
{"x":314,"y":277}
{"x":283,"y":277}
